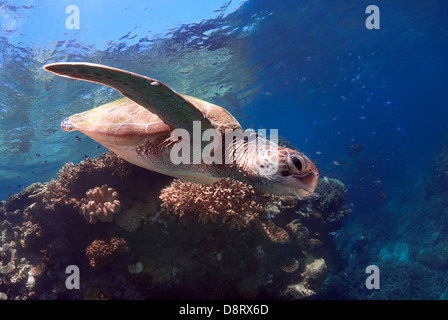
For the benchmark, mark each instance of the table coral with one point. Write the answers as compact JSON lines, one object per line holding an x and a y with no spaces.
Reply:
{"x":101,"y":204}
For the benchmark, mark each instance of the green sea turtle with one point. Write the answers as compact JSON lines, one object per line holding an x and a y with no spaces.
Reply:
{"x":139,"y":128}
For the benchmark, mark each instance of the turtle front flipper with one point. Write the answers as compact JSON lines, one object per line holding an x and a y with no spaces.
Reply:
{"x":152,"y":94}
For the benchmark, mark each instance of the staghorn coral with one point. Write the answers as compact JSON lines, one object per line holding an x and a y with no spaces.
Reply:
{"x":101,"y":252}
{"x":101,"y":204}
{"x":227,"y":201}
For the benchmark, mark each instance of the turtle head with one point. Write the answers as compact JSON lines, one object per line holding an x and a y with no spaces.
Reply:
{"x":287,"y":171}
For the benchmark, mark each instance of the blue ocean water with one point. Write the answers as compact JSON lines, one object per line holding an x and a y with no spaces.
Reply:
{"x":367,"y":106}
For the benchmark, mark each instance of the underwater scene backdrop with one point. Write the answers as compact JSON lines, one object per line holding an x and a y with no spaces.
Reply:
{"x":368,"y":107}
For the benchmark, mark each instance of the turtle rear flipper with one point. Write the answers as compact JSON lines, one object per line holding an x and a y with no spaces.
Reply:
{"x":152,"y":94}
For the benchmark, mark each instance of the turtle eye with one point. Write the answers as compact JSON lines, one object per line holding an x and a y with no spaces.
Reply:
{"x":297,"y":163}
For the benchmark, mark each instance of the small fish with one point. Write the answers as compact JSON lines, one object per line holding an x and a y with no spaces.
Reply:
{"x":38,"y":154}
{"x":362,"y":117}
{"x":336,"y":163}
{"x":343,"y":97}
{"x":318,"y":153}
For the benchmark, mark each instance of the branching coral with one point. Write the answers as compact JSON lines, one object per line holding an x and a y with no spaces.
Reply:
{"x":108,"y":160}
{"x":330,"y":206}
{"x":332,"y":195}
{"x":101,"y":252}
{"x":101,"y":204}
{"x":56,"y":191}
{"x":268,"y":258}
{"x":227,"y":201}
{"x":272,"y":232}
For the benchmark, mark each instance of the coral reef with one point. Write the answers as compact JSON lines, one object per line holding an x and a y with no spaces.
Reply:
{"x":72,"y":175}
{"x":410,"y":250}
{"x":313,"y":276}
{"x":272,"y":232}
{"x":439,"y":179}
{"x":225,"y":238}
{"x":101,"y":204}
{"x":101,"y":252}
{"x":228,"y":201}
{"x":131,"y":219}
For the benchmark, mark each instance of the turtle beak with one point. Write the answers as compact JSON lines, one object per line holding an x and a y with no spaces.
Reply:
{"x":306,"y":184}
{"x":309,"y":181}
